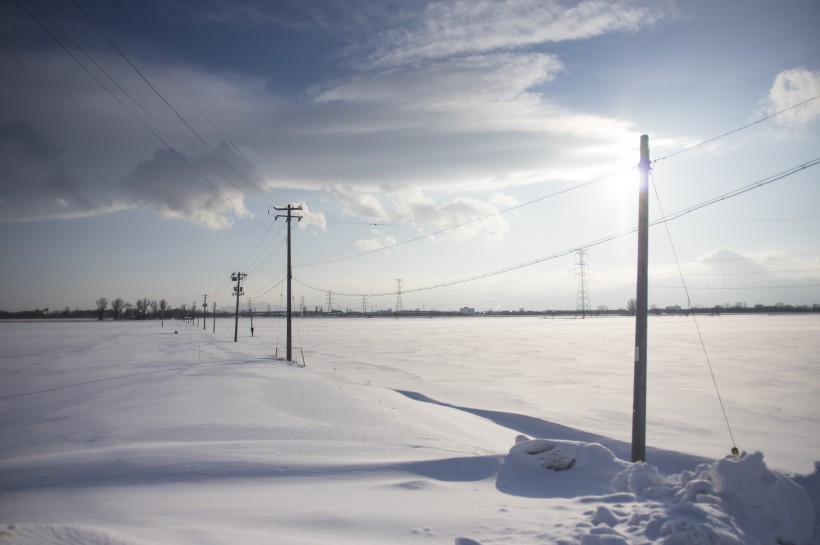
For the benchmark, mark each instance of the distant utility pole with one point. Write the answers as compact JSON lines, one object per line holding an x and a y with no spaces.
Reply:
{"x":289,"y":208}
{"x":582,"y":305}
{"x":237,"y":291}
{"x":204,"y":309}
{"x":639,"y":390}
{"x":364,"y":304}
{"x":250,"y":311}
{"x":398,"y":297}
{"x":214,"y":318}
{"x":193,"y":314}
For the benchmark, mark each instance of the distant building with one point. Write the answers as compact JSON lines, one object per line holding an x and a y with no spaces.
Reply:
{"x":467,"y":311}
{"x":673,"y":308}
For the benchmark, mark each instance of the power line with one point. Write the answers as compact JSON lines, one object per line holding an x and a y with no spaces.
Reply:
{"x":115,"y":97}
{"x":456,"y":226}
{"x":194,"y":102}
{"x":733,"y":131}
{"x":164,"y":100}
{"x":664,"y":219}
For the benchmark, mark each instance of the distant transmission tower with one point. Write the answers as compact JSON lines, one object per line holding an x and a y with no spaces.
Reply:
{"x":364,"y":304}
{"x":582,"y":305}
{"x":398,"y":297}
{"x":330,"y":301}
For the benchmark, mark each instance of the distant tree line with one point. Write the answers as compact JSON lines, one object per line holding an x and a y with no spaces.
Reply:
{"x":145,"y":309}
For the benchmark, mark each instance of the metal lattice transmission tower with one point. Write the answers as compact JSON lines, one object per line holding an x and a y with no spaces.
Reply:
{"x":330,"y":301}
{"x":582,"y":305}
{"x":398,"y":297}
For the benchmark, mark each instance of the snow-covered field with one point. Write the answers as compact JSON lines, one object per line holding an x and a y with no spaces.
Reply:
{"x":462,"y":430}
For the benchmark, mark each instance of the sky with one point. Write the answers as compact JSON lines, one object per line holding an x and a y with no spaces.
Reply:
{"x":464,"y":148}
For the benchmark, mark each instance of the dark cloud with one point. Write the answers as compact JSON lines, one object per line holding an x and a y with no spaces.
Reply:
{"x":39,"y":181}
{"x":168,"y":184}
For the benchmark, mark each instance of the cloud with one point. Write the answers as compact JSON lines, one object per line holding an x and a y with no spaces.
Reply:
{"x":792,"y":87}
{"x":379,"y":240}
{"x":411,"y":205}
{"x":317,"y":220}
{"x":447,"y":29}
{"x":460,"y":83}
{"x":450,"y":106}
{"x":360,"y":204}
{"x":169,"y":185}
{"x":37,"y":181}
{"x":79,"y":153}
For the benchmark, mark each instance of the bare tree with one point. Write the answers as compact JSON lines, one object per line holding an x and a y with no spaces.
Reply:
{"x":117,"y":306}
{"x":631,"y":305}
{"x":142,"y":307}
{"x":154,"y":306}
{"x":102,"y":304}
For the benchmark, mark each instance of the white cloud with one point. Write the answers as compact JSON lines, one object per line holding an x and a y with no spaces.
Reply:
{"x":379,"y":240}
{"x":317,"y":220}
{"x":443,"y":117}
{"x":462,"y":214}
{"x":457,"y":83}
{"x":447,"y":29}
{"x":359,"y":204}
{"x":792,"y":87}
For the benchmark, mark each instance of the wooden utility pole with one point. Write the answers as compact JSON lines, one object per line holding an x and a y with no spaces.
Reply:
{"x":214,"y":316}
{"x":639,"y":390}
{"x":289,"y":208}
{"x":204,"y":310}
{"x":250,"y":312}
{"x":237,"y":290}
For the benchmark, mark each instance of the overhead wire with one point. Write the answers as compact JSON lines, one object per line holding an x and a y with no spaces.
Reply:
{"x":694,"y":318}
{"x":458,"y":225}
{"x":144,"y":78}
{"x":663,"y":219}
{"x":738,"y":129}
{"x":222,"y":137}
{"x":151,"y":130}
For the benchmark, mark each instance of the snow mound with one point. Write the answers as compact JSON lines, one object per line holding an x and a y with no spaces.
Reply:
{"x":734,"y":501}
{"x":46,"y":534}
{"x":769,"y":505}
{"x":565,"y":455}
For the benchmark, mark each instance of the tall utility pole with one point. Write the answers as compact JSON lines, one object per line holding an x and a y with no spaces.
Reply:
{"x":204,"y":309}
{"x":214,"y":318}
{"x":639,"y":390}
{"x":237,"y":291}
{"x":582,"y":305}
{"x":398,"y":297}
{"x":289,"y":208}
{"x":193,"y":314}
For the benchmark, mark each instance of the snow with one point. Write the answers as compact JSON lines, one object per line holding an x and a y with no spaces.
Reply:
{"x":466,"y":431}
